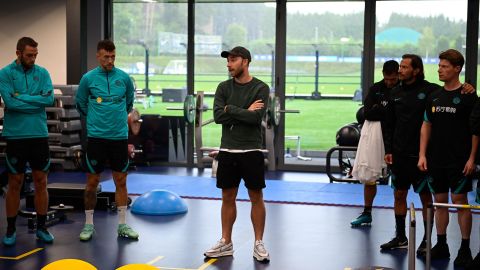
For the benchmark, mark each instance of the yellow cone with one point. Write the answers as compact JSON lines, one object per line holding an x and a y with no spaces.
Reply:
{"x":70,"y":264}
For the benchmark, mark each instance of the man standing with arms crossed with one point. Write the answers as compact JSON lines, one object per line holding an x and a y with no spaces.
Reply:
{"x":447,"y":152}
{"x":369,"y":165}
{"x":26,"y":89}
{"x":240,"y":105}
{"x":105,"y":97}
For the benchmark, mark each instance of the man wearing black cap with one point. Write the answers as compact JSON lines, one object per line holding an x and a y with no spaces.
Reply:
{"x":369,"y":163}
{"x":240,"y":105}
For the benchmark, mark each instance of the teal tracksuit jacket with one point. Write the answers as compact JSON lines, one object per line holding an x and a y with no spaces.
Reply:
{"x":25,"y":93}
{"x":106,"y":98}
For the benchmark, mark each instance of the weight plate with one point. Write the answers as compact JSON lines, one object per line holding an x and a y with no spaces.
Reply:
{"x":189,"y":109}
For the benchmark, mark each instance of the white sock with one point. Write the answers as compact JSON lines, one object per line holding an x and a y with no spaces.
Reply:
{"x":122,"y":214}
{"x":89,"y":217}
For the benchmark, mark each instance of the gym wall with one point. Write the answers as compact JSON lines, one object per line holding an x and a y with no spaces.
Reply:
{"x":45,"y":21}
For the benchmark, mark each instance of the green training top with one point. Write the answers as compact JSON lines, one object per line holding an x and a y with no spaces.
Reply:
{"x":26,"y":93}
{"x":106,"y":98}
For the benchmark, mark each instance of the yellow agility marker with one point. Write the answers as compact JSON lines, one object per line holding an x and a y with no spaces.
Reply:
{"x":138,"y":267}
{"x":70,"y":264}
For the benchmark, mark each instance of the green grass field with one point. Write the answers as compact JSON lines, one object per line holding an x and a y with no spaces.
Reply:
{"x":299,"y":83}
{"x":295,"y":84}
{"x":317,"y":122}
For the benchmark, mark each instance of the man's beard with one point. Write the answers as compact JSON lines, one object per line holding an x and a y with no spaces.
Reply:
{"x":239,"y":73}
{"x":25,"y":65}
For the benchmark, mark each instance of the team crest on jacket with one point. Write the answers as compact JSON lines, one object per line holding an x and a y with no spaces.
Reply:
{"x":456,"y":100}
{"x":35,"y":78}
{"x":421,"y":96}
{"x":118,"y":83}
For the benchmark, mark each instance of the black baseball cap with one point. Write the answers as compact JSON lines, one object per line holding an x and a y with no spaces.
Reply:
{"x":238,"y":51}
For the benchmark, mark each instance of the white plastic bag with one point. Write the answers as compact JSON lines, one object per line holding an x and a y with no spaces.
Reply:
{"x":369,"y":161}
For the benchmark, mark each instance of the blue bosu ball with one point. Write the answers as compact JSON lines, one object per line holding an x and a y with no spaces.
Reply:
{"x":159,"y":202}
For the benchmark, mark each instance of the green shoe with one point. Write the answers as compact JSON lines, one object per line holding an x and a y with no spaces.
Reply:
{"x":365,"y":219}
{"x":9,"y":240}
{"x":45,"y":236}
{"x":125,"y":231}
{"x":87,"y":232}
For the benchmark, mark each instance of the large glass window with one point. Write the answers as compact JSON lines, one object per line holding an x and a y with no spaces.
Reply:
{"x":425,"y":28}
{"x":323,"y":72}
{"x":150,"y":40}
{"x":222,"y":26}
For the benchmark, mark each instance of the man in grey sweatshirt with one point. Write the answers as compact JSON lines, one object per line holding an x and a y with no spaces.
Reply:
{"x":239,"y":106}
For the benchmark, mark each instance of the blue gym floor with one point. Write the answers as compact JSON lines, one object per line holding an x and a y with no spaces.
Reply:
{"x":317,"y":193}
{"x":308,"y":230}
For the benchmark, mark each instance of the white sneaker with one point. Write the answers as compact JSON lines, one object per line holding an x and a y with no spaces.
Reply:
{"x":220,"y":249}
{"x":260,"y":253}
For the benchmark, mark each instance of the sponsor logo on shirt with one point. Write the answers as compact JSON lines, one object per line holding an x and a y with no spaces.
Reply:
{"x":443,"y":109}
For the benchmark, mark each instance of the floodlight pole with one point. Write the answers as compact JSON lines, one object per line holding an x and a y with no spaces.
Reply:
{"x":316,"y":94}
{"x":272,"y":51}
{"x":147,"y":58}
{"x":226,"y":47}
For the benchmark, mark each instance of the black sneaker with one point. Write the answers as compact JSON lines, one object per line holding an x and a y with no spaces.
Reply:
{"x":464,"y":258}
{"x":475,"y":264}
{"x":422,"y":249}
{"x":396,"y":242}
{"x":440,"y":251}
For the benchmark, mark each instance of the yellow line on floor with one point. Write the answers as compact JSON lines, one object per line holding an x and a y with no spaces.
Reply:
{"x":22,"y":255}
{"x":155,"y":260}
{"x":207,"y":264}
{"x":173,"y":268}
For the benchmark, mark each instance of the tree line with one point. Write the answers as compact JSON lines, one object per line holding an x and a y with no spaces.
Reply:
{"x":254,"y":26}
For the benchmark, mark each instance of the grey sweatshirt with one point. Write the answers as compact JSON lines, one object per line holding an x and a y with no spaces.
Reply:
{"x":241,"y":128}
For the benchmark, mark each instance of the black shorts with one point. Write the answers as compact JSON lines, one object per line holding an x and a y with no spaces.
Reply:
{"x":405,"y":173}
{"x":444,"y":180}
{"x":35,"y":151}
{"x":232,"y":167}
{"x":101,"y":150}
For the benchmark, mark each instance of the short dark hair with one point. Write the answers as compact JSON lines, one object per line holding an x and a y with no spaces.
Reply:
{"x":106,"y":45}
{"x":453,"y":56}
{"x":24,"y":42}
{"x":416,"y":62}
{"x":390,"y":67}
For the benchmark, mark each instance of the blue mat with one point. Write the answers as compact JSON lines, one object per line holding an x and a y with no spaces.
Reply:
{"x":276,"y":191}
